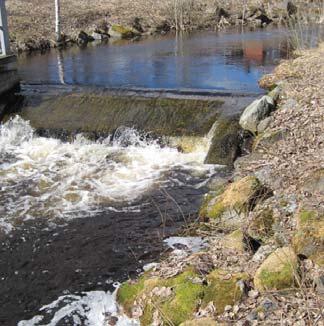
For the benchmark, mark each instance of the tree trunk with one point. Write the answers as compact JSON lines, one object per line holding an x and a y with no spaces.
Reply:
{"x":57,"y":21}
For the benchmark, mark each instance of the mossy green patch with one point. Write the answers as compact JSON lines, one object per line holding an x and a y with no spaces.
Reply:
{"x":308,"y":240}
{"x":185,"y":298}
{"x":223,"y":289}
{"x":128,"y":292}
{"x":278,"y":271}
{"x":239,"y":196}
{"x":278,"y":280}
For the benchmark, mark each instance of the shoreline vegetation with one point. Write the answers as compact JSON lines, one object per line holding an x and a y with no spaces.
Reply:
{"x":32,"y":23}
{"x":264,"y":262}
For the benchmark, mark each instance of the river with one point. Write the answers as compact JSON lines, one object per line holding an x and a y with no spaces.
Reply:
{"x":78,"y":215}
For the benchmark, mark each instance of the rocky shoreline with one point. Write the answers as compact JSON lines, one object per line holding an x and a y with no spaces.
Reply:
{"x":116,"y":21}
{"x":264,"y":226}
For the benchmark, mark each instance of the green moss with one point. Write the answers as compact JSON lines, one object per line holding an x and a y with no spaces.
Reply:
{"x":128,"y":292}
{"x":278,"y":271}
{"x":222,"y":291}
{"x":182,"y":306}
{"x":306,"y":217}
{"x":279,"y":279}
{"x":239,"y":197}
{"x":309,"y":237}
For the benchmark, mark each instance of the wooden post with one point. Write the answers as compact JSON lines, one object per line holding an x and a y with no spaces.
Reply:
{"x":57,"y":21}
{"x":4,"y":33}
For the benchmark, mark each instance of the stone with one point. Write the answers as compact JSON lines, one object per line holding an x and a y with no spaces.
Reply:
{"x":236,"y":200}
{"x":275,"y":93}
{"x":289,"y":104}
{"x":99,"y":36}
{"x":319,"y":283}
{"x":269,"y":138}
{"x":308,"y":241}
{"x":261,"y":224}
{"x":291,"y":8}
{"x":121,"y":32}
{"x":278,"y":271}
{"x":314,"y":183}
{"x":235,"y":241}
{"x":256,"y":112}
{"x":84,"y":38}
{"x":177,"y":298}
{"x":262,"y":253}
{"x":225,"y":143}
{"x":264,"y":124}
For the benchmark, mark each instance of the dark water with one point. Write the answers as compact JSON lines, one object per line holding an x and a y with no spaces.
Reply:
{"x":232,"y":60}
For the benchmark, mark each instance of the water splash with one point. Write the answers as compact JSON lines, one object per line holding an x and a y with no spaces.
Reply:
{"x":47,"y":178}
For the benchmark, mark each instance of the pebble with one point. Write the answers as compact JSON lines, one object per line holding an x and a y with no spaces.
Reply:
{"x":228,"y":308}
{"x":253,"y":294}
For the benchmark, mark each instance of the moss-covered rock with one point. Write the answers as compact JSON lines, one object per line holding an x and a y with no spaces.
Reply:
{"x":278,"y":271}
{"x":224,"y":147}
{"x":309,"y":238}
{"x":223,"y":289}
{"x":177,"y":299}
{"x":234,"y":240}
{"x":261,"y":225}
{"x":237,"y":199}
{"x":122,"y":32}
{"x":268,"y":138}
{"x":177,"y":308}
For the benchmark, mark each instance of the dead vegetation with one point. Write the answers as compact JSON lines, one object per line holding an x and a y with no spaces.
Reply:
{"x":33,"y":21}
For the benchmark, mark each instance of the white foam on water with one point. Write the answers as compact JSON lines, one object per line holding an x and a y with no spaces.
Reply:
{"x":89,"y":309}
{"x":47,"y":178}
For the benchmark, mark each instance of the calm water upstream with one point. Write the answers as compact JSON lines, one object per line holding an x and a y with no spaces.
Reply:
{"x":204,"y":60}
{"x":78,"y":215}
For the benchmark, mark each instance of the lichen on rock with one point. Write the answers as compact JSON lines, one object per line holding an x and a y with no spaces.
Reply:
{"x":308,"y":241}
{"x":237,"y":199}
{"x":278,"y":271}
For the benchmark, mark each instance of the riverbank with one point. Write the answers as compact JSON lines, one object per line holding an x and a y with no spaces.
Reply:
{"x":32,"y":24}
{"x":264,"y":226}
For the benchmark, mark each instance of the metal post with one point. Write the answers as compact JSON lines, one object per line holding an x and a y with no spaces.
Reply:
{"x":4,"y":33}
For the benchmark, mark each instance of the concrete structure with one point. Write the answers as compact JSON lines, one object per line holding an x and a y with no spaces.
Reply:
{"x":4,"y":33}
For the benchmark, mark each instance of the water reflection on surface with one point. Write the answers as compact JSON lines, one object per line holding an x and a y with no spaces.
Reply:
{"x":202,"y":60}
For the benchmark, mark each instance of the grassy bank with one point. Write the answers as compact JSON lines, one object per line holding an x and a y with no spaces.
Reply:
{"x":32,"y":22}
{"x":265,"y":259}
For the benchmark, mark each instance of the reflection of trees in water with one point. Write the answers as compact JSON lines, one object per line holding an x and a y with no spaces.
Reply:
{"x":60,"y":66}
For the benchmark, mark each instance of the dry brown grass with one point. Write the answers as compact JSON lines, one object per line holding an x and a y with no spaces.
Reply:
{"x":35,"y":18}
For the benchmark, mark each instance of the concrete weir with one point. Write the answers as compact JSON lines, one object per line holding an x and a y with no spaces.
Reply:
{"x":174,"y":113}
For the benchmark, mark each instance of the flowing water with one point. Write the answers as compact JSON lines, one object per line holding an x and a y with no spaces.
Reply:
{"x":77,"y":216}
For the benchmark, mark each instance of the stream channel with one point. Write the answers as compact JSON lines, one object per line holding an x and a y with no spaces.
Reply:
{"x":88,"y":198}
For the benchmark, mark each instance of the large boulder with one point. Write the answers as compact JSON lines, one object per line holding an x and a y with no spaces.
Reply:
{"x":256,"y":112}
{"x":121,"y":32}
{"x":278,"y":271}
{"x":224,"y":148}
{"x":309,"y":238}
{"x":237,"y":199}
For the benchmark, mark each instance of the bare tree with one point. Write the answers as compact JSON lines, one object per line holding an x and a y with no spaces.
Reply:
{"x":57,"y":21}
